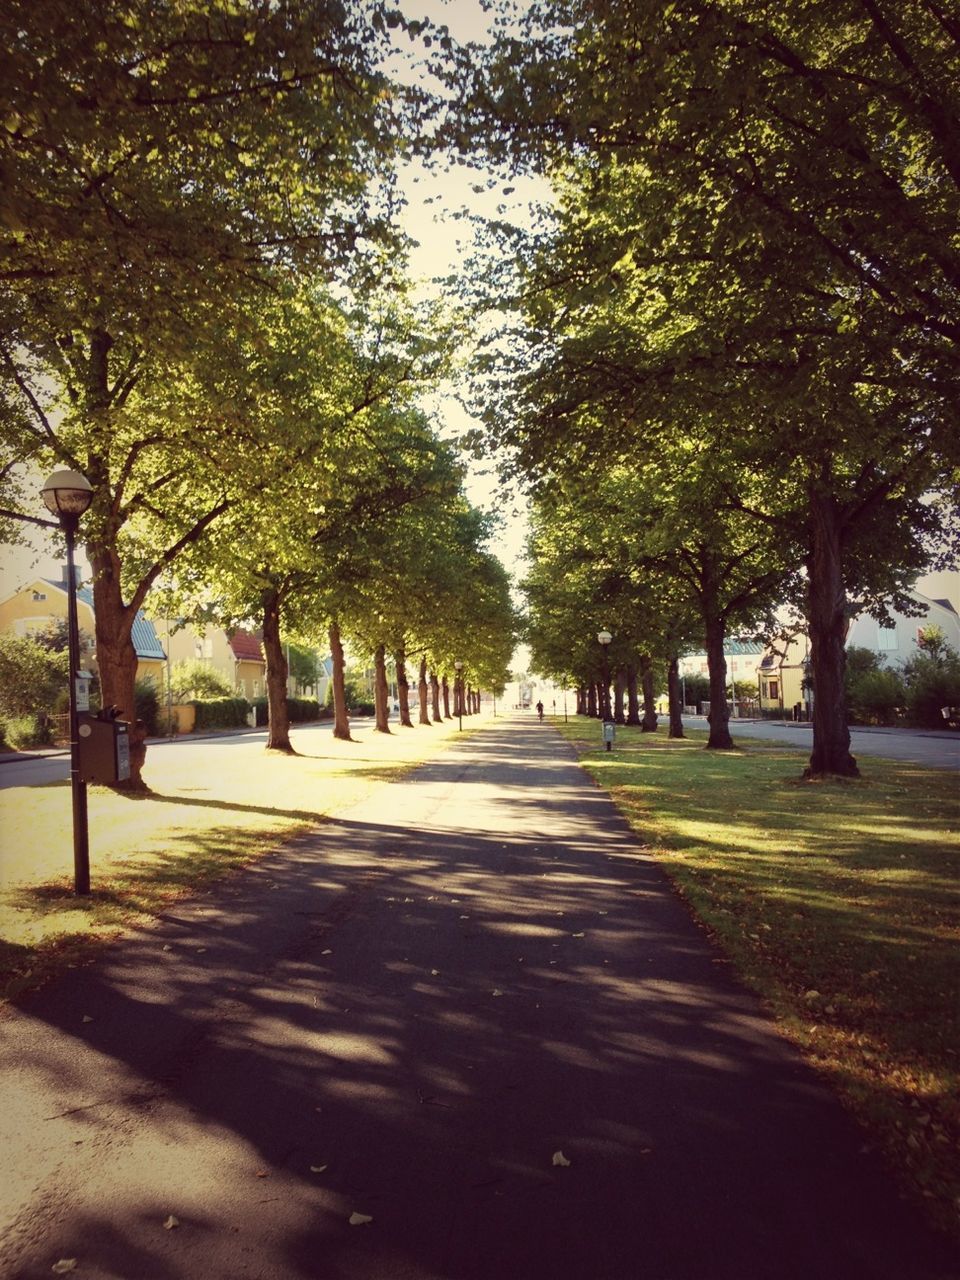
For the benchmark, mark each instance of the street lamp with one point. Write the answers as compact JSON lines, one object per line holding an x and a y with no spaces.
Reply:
{"x":458,"y":666}
{"x":604,"y":637}
{"x":67,"y":494}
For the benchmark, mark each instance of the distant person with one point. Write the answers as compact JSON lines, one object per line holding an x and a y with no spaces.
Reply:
{"x":540,"y":710}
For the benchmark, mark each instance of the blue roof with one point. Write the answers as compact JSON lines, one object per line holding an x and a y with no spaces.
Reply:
{"x":146,"y":642}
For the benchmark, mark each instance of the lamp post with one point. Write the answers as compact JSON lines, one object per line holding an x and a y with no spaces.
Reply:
{"x":67,"y":494}
{"x":458,"y":666}
{"x":604,"y":637}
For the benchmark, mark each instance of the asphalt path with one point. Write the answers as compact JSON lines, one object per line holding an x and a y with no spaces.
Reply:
{"x":934,"y":748}
{"x":470,"y":1010}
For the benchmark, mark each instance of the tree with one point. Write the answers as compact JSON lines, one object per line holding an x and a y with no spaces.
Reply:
{"x":158,"y":176}
{"x":756,"y":235}
{"x":31,"y":675}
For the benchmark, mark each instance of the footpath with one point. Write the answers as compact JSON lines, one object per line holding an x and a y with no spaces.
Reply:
{"x":465,"y":1031}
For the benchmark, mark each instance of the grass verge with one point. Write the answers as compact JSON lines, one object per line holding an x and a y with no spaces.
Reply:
{"x":836,"y":901}
{"x":204,"y":816}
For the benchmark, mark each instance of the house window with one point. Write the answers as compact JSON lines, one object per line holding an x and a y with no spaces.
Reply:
{"x":39,"y":595}
{"x":774,"y":691}
{"x":886,"y":639}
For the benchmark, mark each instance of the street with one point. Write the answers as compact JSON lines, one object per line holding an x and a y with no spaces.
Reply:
{"x":936,"y":750}
{"x":464,"y":1031}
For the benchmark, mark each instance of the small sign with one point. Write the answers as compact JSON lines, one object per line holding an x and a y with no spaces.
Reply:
{"x":123,"y":755}
{"x":83,"y":693}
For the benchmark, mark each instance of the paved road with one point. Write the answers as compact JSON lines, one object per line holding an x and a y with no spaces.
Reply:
{"x":935,"y":750}
{"x":407,"y":1016}
{"x":927,"y":747}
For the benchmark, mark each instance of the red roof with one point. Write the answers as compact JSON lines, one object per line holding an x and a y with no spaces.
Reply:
{"x":246,"y":647}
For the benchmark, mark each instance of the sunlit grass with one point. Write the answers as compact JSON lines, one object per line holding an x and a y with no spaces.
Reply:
{"x":837,"y":902}
{"x":193,"y":827}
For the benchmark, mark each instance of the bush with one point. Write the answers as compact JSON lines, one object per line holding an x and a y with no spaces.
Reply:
{"x":30,"y":675}
{"x":21,"y":732}
{"x":932,"y":683}
{"x":220,"y":713}
{"x":147,"y":700}
{"x":875,"y":697}
{"x":197,"y":679}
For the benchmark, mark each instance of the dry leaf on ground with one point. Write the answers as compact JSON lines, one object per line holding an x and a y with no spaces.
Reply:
{"x":359,"y":1219}
{"x":560,"y":1159}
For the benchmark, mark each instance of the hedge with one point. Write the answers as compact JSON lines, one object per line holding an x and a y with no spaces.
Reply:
{"x":220,"y":713}
{"x":300,"y":710}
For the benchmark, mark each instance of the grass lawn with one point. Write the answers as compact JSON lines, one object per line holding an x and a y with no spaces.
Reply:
{"x":837,"y":902}
{"x":194,"y":827}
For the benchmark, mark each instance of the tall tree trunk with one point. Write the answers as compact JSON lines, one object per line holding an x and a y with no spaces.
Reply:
{"x":341,"y":721}
{"x":619,"y":688}
{"x":423,"y":693}
{"x":435,"y":697}
{"x":719,"y":717}
{"x":445,"y":691}
{"x":581,"y":700}
{"x":117,"y":657}
{"x":649,"y":722}
{"x":604,"y":710}
{"x":403,"y":685}
{"x":828,"y":623}
{"x":381,"y":690}
{"x":278,"y":713}
{"x":673,"y":697}
{"x":633,"y":696}
{"x":591,"y":699}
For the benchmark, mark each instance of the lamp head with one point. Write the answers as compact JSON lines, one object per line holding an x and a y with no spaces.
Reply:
{"x":67,"y":493}
{"x":604,"y":637}
{"x":458,"y":665}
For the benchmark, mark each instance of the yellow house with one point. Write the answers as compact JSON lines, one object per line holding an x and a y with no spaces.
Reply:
{"x":780,"y":677}
{"x":44,"y":600}
{"x":235,"y":655}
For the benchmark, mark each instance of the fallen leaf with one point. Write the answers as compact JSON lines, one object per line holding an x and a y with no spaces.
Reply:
{"x":318,"y":1168}
{"x":171,"y":1222}
{"x":63,"y":1266}
{"x":167,"y":947}
{"x":435,"y":973}
{"x":812,"y":995}
{"x":328,"y":952}
{"x":496,"y":992}
{"x":359,"y":1219}
{"x":87,"y":1018}
{"x":560,"y":1159}
{"x":262,"y":1173}
{"x":578,"y":935}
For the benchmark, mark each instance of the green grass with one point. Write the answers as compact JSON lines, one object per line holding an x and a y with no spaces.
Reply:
{"x":837,"y":902}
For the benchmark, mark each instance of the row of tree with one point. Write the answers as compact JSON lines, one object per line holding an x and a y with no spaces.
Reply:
{"x":204,"y":311}
{"x":731,"y":376}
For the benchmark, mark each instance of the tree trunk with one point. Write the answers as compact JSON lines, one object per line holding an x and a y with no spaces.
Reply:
{"x":591,"y":699}
{"x":619,"y":688}
{"x":403,"y":686}
{"x":117,"y":657}
{"x":633,"y":696}
{"x":278,"y":714}
{"x":341,"y":721}
{"x":445,"y":690}
{"x":423,"y":693}
{"x":381,"y":691}
{"x":828,"y":623}
{"x":673,"y":696}
{"x":581,"y":700}
{"x":649,"y":722}
{"x":435,"y":697}
{"x":719,"y":717}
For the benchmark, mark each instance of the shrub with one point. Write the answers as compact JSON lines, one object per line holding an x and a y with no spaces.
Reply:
{"x":30,"y":675}
{"x":147,"y":699}
{"x":875,"y":697}
{"x":197,"y":679}
{"x":220,"y":713}
{"x":933,"y":682}
{"x":32,"y":730}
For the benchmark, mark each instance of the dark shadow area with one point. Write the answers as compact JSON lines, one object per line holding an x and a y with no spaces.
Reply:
{"x":427,"y":1011}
